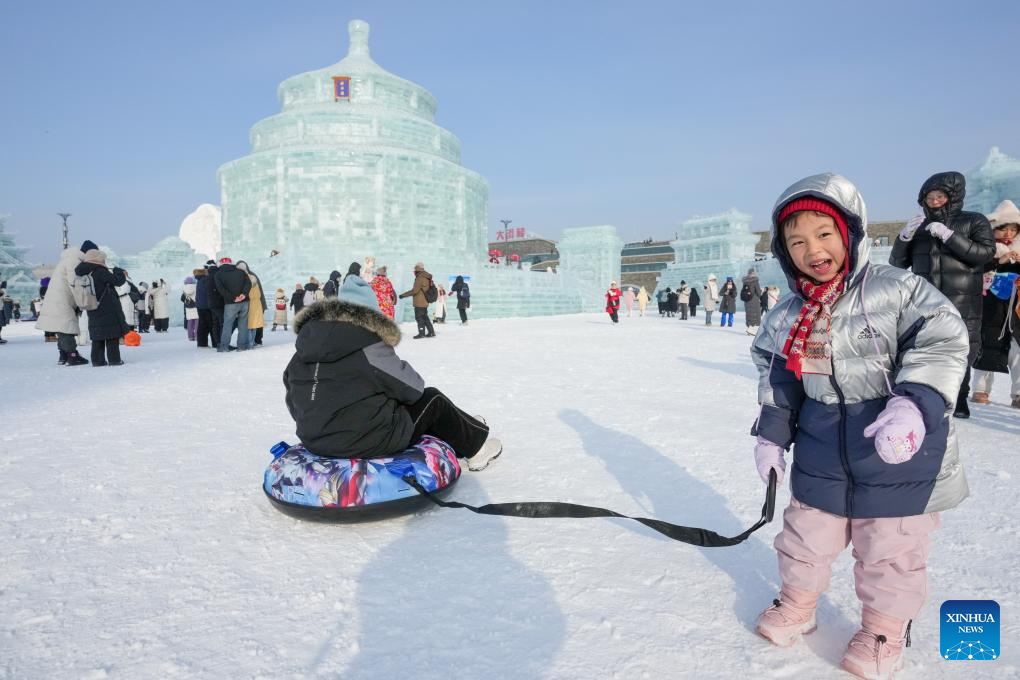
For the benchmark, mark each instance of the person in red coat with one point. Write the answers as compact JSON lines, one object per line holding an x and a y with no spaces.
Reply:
{"x":613,"y":302}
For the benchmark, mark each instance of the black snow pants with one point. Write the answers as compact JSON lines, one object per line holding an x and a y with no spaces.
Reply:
{"x":436,"y":415}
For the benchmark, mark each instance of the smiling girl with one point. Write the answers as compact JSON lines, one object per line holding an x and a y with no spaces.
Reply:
{"x":859,"y":370}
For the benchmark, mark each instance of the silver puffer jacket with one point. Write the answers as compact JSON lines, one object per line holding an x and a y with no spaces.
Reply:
{"x":889,"y":327}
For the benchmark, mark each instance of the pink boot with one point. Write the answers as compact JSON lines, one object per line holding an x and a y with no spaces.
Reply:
{"x":876,"y":651}
{"x":789,"y":617}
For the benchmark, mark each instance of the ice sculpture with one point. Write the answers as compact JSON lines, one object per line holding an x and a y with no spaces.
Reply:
{"x":171,"y":259}
{"x":715,"y":244}
{"x":593,"y":255}
{"x":992,"y":182}
{"x":201,"y":230}
{"x":355,"y":165}
{"x":21,"y":283}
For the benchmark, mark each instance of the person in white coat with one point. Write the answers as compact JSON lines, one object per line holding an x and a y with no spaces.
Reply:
{"x":190,"y":307}
{"x":439,"y":315}
{"x":59,"y":314}
{"x":160,"y":305}
{"x":142,"y":308}
{"x":683,"y":295}
{"x":127,"y":305}
{"x":710,"y":299}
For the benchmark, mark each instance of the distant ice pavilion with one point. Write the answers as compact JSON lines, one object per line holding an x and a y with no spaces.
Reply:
{"x":355,"y":165}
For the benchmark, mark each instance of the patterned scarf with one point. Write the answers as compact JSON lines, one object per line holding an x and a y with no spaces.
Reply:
{"x":808,"y":348}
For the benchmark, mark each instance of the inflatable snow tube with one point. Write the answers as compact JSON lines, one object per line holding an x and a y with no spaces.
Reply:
{"x":311,"y":487}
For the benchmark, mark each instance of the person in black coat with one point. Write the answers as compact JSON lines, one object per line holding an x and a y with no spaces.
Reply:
{"x":331,"y":288}
{"x":233,"y":286}
{"x":672,"y":302}
{"x":351,"y":396}
{"x":694,"y":301}
{"x":205,"y":317}
{"x":1000,"y":320}
{"x":297,"y":299}
{"x":461,"y":289}
{"x":106,"y":322}
{"x":949,"y":247}
{"x":216,"y":303}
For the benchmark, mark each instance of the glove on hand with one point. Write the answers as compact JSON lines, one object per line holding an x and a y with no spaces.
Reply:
{"x":768,"y":456}
{"x":898,"y":430}
{"x":940,"y":230}
{"x":907,"y":232}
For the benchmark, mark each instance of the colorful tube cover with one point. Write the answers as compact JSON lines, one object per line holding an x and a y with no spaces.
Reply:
{"x":299,"y":477}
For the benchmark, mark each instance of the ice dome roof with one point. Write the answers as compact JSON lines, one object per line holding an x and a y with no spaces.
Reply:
{"x":371,"y":85}
{"x":997,"y":163}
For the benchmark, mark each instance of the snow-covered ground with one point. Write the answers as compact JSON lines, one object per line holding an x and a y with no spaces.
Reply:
{"x":136,"y":542}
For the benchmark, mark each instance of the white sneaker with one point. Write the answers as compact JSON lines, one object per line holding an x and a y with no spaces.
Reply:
{"x":489,"y":452}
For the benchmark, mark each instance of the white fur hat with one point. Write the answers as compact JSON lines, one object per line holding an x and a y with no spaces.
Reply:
{"x":1004,"y":213}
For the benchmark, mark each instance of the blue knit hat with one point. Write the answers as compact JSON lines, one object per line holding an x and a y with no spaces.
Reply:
{"x":357,"y":291}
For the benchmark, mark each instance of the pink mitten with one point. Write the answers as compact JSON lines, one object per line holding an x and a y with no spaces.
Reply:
{"x":898,"y":430}
{"x":939,"y":230}
{"x":767,"y":456}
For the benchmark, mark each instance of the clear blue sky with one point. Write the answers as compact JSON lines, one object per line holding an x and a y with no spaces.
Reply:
{"x":637,"y":114}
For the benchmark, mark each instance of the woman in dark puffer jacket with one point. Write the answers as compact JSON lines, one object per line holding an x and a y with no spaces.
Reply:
{"x":106,"y":323}
{"x":949,"y":247}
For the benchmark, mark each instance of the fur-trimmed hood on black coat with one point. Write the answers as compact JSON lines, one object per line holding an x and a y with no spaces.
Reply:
{"x":346,"y":387}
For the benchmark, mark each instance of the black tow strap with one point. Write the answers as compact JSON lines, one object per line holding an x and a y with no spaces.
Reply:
{"x":692,"y":535}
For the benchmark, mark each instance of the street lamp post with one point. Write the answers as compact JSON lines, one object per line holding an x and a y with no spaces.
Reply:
{"x":65,"y":216}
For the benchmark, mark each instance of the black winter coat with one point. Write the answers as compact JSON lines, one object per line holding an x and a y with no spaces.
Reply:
{"x":956,"y":266}
{"x":994,"y":352}
{"x":695,"y":299}
{"x":231,"y":282}
{"x":728,"y":299}
{"x":106,"y":322}
{"x":213,"y":293}
{"x":332,"y":287}
{"x":346,"y":386}
{"x":297,"y":300}
{"x":202,"y":291}
{"x":459,"y":285}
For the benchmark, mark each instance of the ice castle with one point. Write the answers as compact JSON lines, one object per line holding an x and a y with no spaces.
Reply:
{"x":992,"y":182}
{"x":355,"y":165}
{"x":22,"y":285}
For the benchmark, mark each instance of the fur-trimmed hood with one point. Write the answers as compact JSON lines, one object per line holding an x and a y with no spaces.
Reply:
{"x":337,"y":310}
{"x":1005,"y":213}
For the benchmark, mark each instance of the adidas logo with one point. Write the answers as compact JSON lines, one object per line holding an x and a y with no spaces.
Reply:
{"x":868,"y":333}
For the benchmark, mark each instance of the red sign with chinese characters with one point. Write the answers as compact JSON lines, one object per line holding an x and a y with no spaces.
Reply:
{"x":508,"y":234}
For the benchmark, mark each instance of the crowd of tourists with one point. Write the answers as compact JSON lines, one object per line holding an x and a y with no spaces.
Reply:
{"x":224,"y":304}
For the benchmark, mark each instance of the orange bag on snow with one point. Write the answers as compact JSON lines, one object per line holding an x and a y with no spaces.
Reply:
{"x":132,"y":339}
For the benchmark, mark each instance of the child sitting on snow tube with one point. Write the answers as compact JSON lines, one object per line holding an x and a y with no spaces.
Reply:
{"x":353,"y":397}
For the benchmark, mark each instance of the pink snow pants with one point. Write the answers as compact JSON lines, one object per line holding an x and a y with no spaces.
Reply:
{"x":891,"y":553}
